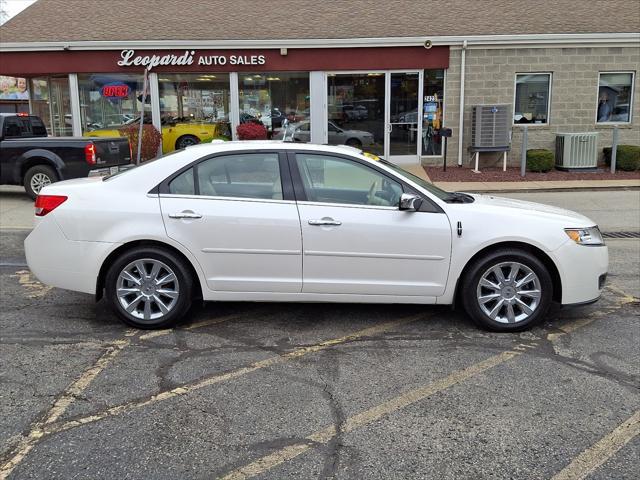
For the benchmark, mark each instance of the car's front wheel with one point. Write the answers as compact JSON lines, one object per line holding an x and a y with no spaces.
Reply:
{"x":507,"y":290}
{"x":149,"y":287}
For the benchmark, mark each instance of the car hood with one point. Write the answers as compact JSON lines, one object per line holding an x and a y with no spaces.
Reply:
{"x":535,"y":209}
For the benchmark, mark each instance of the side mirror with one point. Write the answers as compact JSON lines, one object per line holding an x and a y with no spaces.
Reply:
{"x":409,"y":202}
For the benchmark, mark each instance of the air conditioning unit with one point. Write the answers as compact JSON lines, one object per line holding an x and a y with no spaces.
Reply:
{"x":491,"y":126}
{"x":576,"y":150}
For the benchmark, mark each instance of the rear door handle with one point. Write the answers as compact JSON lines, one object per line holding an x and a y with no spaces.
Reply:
{"x":325,"y":221}
{"x":185,"y":215}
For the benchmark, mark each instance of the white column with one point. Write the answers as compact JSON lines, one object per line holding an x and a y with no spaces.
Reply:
{"x":318,"y":114}
{"x":154,"y":92}
{"x":74,"y":96}
{"x":461,"y":120}
{"x":234,"y":103}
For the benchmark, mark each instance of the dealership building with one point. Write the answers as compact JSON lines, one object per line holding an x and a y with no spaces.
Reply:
{"x":386,"y":76}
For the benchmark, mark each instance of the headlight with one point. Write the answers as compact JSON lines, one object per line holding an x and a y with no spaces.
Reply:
{"x":585,"y":236}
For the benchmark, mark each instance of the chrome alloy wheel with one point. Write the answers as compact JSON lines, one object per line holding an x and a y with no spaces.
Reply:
{"x":147,"y":289}
{"x":39,"y":181}
{"x":509,"y":292}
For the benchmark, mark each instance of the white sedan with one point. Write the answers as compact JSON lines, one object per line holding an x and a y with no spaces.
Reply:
{"x":271,"y":221}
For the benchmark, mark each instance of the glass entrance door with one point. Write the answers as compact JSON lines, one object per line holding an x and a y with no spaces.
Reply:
{"x":379,"y":112}
{"x":403,"y":130}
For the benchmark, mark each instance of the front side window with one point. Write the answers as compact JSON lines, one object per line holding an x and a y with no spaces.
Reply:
{"x":329,"y":179}
{"x":533,"y":91}
{"x":255,"y":175}
{"x":615,"y":94}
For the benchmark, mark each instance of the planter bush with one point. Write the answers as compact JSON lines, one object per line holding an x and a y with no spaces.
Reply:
{"x":540,"y":160}
{"x":251,"y":131}
{"x":627,"y":157}
{"x":151,"y":138}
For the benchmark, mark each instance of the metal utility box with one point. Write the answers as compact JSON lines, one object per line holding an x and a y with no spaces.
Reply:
{"x":576,"y":150}
{"x":491,"y":127}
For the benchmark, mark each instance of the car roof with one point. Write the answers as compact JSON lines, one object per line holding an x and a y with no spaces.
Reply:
{"x":222,"y":146}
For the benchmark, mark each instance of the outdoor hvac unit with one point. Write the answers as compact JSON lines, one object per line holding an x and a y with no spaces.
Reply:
{"x":576,"y":150}
{"x":490,"y":127}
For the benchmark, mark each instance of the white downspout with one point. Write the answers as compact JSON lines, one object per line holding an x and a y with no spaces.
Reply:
{"x":461,"y":120}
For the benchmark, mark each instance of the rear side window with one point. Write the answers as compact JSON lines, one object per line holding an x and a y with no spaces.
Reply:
{"x":183,"y":184}
{"x":248,"y":175}
{"x":14,"y":127}
{"x":37,"y":127}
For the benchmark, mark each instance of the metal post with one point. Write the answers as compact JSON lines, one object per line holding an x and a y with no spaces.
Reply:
{"x":614,"y":149}
{"x":144,"y":99}
{"x":523,"y":154}
{"x":444,"y":166}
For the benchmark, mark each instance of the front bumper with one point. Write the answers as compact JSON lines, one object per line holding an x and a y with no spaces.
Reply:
{"x":582,"y":271}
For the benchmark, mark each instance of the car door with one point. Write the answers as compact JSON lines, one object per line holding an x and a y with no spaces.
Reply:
{"x":357,"y":240}
{"x":236,"y":214}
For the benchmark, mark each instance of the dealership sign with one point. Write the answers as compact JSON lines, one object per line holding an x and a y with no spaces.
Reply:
{"x":189,"y":57}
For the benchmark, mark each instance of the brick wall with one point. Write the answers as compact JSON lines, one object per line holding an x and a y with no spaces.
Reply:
{"x":490,"y":78}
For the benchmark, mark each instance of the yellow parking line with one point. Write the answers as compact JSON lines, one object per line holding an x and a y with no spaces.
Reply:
{"x":206,"y":382}
{"x":34,"y":288}
{"x":368,"y":416}
{"x":594,"y":456}
{"x":63,"y":402}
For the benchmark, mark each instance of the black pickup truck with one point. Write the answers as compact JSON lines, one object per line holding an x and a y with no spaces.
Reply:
{"x":29,"y":157}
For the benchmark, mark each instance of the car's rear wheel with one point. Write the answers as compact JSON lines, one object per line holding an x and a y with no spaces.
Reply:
{"x":354,"y":142}
{"x":186,"y":141}
{"x":38,"y":177}
{"x":507,"y":291}
{"x":149,"y":287}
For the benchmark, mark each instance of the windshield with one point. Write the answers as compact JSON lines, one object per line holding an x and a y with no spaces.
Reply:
{"x":438,"y":192}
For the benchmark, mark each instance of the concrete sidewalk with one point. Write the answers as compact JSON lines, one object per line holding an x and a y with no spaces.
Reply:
{"x":536,"y":186}
{"x":523,"y":186}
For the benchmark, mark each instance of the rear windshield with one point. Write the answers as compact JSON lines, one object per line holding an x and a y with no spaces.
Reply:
{"x":136,"y":167}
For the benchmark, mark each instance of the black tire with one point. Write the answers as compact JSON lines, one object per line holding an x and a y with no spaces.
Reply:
{"x":43,"y":172}
{"x":184,"y":284}
{"x":470,"y":291}
{"x":354,"y":142}
{"x":186,"y":141}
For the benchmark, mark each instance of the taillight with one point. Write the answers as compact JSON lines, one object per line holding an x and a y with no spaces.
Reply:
{"x":48,"y":203}
{"x":130,"y":152}
{"x":90,"y":153}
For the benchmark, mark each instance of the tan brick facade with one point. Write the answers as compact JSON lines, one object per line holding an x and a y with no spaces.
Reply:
{"x":490,"y":78}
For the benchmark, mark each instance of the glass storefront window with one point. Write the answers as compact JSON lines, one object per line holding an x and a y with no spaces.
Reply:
{"x":275,"y":99}
{"x":40,"y":101}
{"x":432,"y":112}
{"x":615,"y":97}
{"x":194,"y":108}
{"x":532,"y":98}
{"x":356,"y":105}
{"x":109,"y":101}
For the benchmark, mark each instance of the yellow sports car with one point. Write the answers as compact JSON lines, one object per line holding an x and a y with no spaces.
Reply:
{"x":176,"y":134}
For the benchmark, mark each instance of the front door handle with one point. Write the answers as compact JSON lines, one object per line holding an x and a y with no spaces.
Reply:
{"x":185,"y":215}
{"x":325,"y":221}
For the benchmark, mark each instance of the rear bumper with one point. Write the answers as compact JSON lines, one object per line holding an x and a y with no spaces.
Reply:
{"x":582,"y":271}
{"x":63,"y":263}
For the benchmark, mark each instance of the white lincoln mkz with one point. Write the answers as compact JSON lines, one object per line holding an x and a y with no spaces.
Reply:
{"x":290,"y":222}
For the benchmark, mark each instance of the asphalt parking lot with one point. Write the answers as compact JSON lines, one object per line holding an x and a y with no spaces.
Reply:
{"x":320,"y":391}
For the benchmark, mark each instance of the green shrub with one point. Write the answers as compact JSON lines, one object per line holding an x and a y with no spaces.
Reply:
{"x":540,"y":160}
{"x":627,"y":157}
